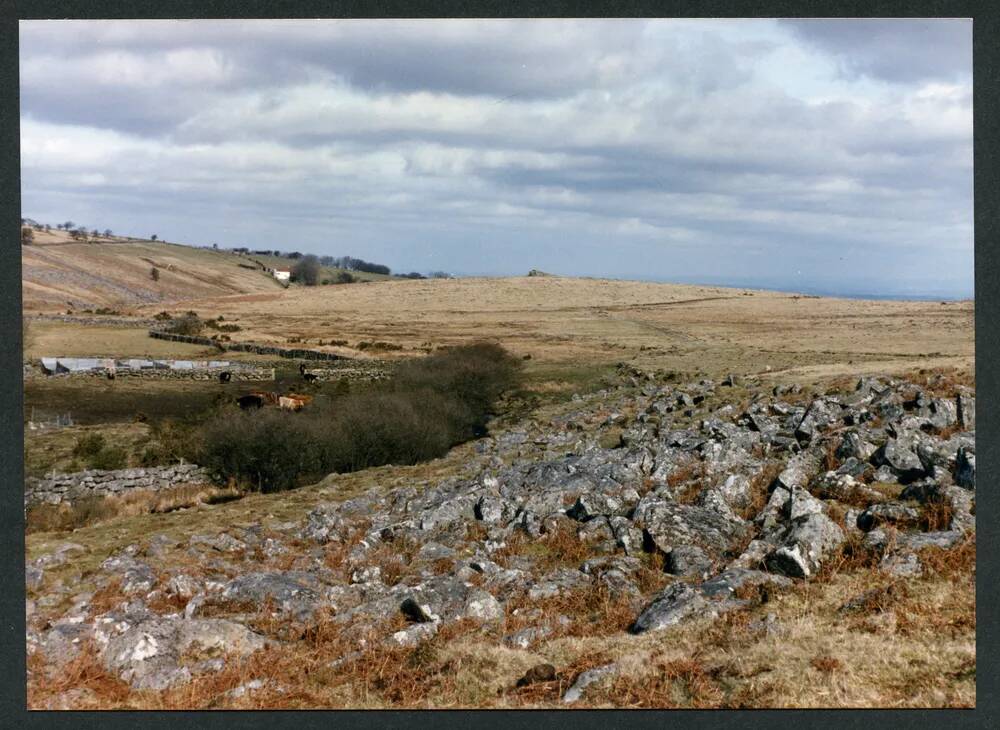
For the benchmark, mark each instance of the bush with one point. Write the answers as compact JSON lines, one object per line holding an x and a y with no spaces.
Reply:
{"x":88,"y":445}
{"x":189,"y":324}
{"x":98,"y":454}
{"x":109,"y":458}
{"x":267,"y":450}
{"x":306,"y":270}
{"x":431,"y":405}
{"x":344,"y":277}
{"x":154,"y":274}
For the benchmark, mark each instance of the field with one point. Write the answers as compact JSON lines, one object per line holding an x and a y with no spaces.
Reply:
{"x":589,"y":321}
{"x":599,"y":357}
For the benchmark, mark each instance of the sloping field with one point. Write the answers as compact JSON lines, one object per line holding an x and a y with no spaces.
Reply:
{"x":592,"y":321}
{"x":58,"y":273}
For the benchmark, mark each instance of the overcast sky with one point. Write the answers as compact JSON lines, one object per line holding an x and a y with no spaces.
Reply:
{"x":831,"y":156}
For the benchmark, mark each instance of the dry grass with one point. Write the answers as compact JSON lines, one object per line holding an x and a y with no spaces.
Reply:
{"x":91,"y":511}
{"x":560,"y":548}
{"x":686,"y":482}
{"x":935,"y":516}
{"x":759,"y":489}
{"x":916,"y":638}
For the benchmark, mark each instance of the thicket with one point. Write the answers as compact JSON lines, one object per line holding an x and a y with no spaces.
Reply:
{"x":431,"y":404}
{"x":98,"y":454}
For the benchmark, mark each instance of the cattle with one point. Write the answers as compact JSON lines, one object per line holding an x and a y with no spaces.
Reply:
{"x":293,"y":401}
{"x":225,"y":376}
{"x":308,"y":377}
{"x":246,"y":402}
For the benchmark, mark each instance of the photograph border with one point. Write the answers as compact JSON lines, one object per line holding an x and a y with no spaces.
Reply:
{"x":986,"y":50}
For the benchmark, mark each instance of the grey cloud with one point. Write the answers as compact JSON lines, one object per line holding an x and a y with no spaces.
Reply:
{"x":897,"y":50}
{"x":557,"y":147}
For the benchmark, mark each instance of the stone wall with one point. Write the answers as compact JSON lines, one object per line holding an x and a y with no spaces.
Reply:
{"x":293,"y":353}
{"x":61,"y":488}
{"x":102,"y":320}
{"x":238,"y":374}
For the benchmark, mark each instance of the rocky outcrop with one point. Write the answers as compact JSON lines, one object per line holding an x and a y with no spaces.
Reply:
{"x":733,"y":506}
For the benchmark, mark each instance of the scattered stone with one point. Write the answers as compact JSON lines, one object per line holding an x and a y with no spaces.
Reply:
{"x":587,"y":678}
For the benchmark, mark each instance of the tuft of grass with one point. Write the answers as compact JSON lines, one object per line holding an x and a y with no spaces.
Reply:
{"x":679,"y":683}
{"x":760,"y":489}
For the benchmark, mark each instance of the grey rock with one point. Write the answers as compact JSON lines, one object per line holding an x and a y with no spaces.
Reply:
{"x":725,"y":584}
{"x":33,"y":577}
{"x":966,"y":411}
{"x":587,"y":678}
{"x":854,"y":445}
{"x":483,"y":606}
{"x":292,"y":592}
{"x":920,"y":540}
{"x":183,"y":586}
{"x":591,"y":505}
{"x":890,"y":513}
{"x":557,"y":582}
{"x":902,"y":565}
{"x":676,"y":603}
{"x":669,"y":525}
{"x":414,"y":634}
{"x":627,"y":535}
{"x":900,"y":455}
{"x":807,"y":544}
{"x":525,"y":638}
{"x":148,"y":656}
{"x":688,"y":560}
{"x":416,"y":611}
{"x":324,"y":524}
{"x":135,"y":576}
{"x":434,"y":551}
{"x":494,"y":510}
{"x":965,"y":468}
{"x":222,"y":542}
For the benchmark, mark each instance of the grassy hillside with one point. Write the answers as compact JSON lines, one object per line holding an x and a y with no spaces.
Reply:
{"x":59,"y":273}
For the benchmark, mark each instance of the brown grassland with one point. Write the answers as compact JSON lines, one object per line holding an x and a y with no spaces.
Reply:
{"x":911,"y":646}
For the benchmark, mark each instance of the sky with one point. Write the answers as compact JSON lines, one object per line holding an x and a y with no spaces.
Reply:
{"x":823,"y":156}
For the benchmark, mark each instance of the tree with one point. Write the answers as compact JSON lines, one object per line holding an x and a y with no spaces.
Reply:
{"x":27,"y":236}
{"x":153,"y":237}
{"x":107,"y":233}
{"x":306,"y":270}
{"x":67,"y":225}
{"x":154,"y":274}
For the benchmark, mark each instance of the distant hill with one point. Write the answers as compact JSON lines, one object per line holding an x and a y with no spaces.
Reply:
{"x":58,"y":273}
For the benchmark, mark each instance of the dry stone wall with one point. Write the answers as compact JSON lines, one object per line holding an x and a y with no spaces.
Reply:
{"x":67,"y":488}
{"x":293,"y":353}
